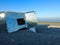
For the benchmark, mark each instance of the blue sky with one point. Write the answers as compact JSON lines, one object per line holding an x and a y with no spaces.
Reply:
{"x":43,"y":8}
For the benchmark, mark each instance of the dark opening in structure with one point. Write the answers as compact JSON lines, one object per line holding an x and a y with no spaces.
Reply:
{"x":21,"y":21}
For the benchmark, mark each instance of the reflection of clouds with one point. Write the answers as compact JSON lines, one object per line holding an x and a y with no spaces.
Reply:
{"x":2,"y":18}
{"x":2,"y":15}
{"x":31,"y":17}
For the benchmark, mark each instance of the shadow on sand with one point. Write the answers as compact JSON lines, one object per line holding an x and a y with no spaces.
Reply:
{"x":42,"y":36}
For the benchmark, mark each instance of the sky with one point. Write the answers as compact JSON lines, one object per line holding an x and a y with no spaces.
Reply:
{"x":43,"y":8}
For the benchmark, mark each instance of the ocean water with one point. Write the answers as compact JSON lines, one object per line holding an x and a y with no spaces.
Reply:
{"x":49,"y":20}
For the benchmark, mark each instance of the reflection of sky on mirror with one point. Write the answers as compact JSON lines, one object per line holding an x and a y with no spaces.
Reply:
{"x":43,"y":8}
{"x":12,"y":23}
